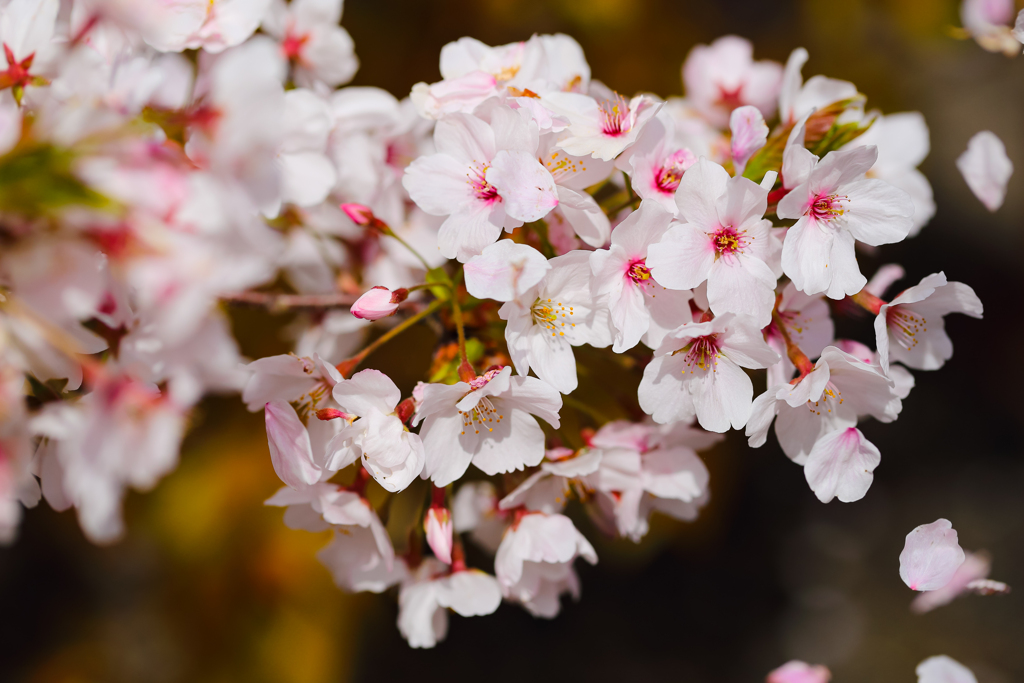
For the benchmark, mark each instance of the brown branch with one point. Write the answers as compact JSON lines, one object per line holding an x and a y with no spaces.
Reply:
{"x":279,"y":303}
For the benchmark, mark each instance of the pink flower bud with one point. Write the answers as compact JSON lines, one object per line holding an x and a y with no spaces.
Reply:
{"x":377,"y":303}
{"x":438,"y":526}
{"x":360,"y":215}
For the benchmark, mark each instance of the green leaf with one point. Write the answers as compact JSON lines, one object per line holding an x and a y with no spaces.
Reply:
{"x":38,"y":180}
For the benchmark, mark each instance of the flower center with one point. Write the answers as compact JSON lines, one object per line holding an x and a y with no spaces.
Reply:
{"x":552,"y":315}
{"x":905,"y":326}
{"x":702,"y":352}
{"x":827,"y":207}
{"x":483,"y":416}
{"x":729,"y":240}
{"x":831,"y":398}
{"x":293,"y":43}
{"x":639,"y":273}
{"x":730,"y":97}
{"x":483,"y":190}
{"x":561,"y":166}
{"x":667,"y":177}
{"x":482,"y":380}
{"x":615,"y":117}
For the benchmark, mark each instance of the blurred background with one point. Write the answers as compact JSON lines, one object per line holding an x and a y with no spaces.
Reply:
{"x":209,"y":585}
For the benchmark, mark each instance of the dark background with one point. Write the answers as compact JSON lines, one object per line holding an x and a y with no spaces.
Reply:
{"x":210,"y":586}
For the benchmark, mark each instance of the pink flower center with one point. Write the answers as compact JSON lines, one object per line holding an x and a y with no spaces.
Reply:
{"x":483,"y":190}
{"x":482,"y":380}
{"x":615,"y":117}
{"x":729,"y":240}
{"x":293,"y":43}
{"x":667,"y":177}
{"x":826,"y":207}
{"x":638,"y":273}
{"x":730,"y":97}
{"x":702,"y":352}
{"x":905,"y":326}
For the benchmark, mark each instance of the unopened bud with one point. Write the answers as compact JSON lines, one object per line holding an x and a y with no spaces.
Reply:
{"x":378,"y":303}
{"x":332,"y":414}
{"x":405,"y":409}
{"x":360,"y":215}
{"x":438,"y":527}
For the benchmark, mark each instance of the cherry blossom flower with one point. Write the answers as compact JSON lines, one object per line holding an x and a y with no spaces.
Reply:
{"x":828,"y":400}
{"x":943,"y":669}
{"x":357,"y":563}
{"x":124,"y":433}
{"x":430,"y":591}
{"x":986,"y":169}
{"x":725,"y":240}
{"x":834,"y":205}
{"x":389,"y":452}
{"x":573,"y":174}
{"x":635,"y":299}
{"x":987,"y":21}
{"x":488,"y":421}
{"x":800,"y":672}
{"x":722,"y":76}
{"x":320,"y":51}
{"x":657,"y":162}
{"x":534,"y":562}
{"x":475,"y":511}
{"x":697,"y":371}
{"x":485,"y":177}
{"x":228,"y":23}
{"x":911,"y":328}
{"x":930,"y":556}
{"x":505,"y":271}
{"x":437,"y":528}
{"x":601,"y":126}
{"x":547,"y":320}
{"x":645,"y":468}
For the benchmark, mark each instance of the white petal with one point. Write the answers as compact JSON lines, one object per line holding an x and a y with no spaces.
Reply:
{"x":525,"y":186}
{"x":841,"y":465}
{"x":943,"y":669}
{"x":505,"y":270}
{"x":986,"y":168}
{"x":931,"y":556}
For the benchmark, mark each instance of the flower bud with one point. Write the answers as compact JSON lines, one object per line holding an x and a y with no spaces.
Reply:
{"x":360,"y":215}
{"x":379,"y":302}
{"x":438,"y":526}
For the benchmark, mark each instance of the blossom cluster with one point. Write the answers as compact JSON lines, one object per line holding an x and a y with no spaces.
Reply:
{"x":162,"y":161}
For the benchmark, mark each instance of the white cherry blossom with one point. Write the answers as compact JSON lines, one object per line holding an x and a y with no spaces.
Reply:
{"x":722,"y":76}
{"x":488,"y":421}
{"x":697,"y":370}
{"x":430,"y":591}
{"x":389,"y":452}
{"x":547,"y":320}
{"x":725,"y":241}
{"x":911,"y":328}
{"x":636,"y":301}
{"x":835,"y":205}
{"x":534,"y":562}
{"x":485,"y":177}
